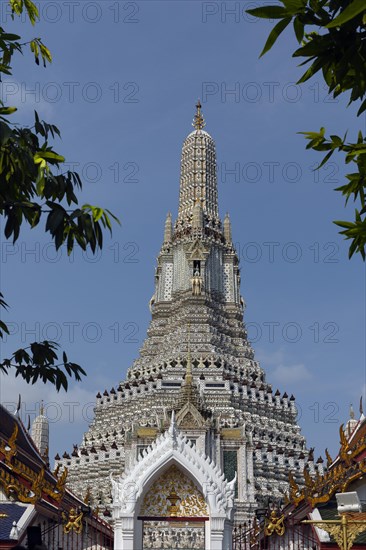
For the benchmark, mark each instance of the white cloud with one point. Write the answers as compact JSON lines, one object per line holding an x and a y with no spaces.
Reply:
{"x":69,"y":413}
{"x":270,"y":358}
{"x":291,"y":374}
{"x":73,"y":406}
{"x":280,"y":369}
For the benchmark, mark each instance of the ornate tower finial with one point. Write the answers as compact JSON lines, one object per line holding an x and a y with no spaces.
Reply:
{"x":168,"y":228}
{"x":351,"y":412}
{"x":227,"y":229}
{"x":198,"y":179}
{"x":198,"y":121}
{"x":40,"y":432}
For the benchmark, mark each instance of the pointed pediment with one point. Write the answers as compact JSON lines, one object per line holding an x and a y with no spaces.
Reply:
{"x":189,"y":417}
{"x":173,"y":448}
{"x":197,"y":251}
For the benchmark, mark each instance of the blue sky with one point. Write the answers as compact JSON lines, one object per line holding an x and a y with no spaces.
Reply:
{"x":122,"y":89}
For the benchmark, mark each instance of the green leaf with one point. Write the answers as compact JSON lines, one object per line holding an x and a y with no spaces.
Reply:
{"x":294,"y":6}
{"x":54,"y":219}
{"x":47,"y":155}
{"x":40,"y":182}
{"x":5,"y":133}
{"x":45,"y":52}
{"x":336,"y":140}
{"x":16,"y":6}
{"x":268,"y":12}
{"x":9,"y":36}
{"x":362,"y":108}
{"x":315,"y":67}
{"x":3,"y":328}
{"x":299,"y":29}
{"x":97,"y":213}
{"x":32,"y":11}
{"x":8,"y":227}
{"x":325,"y":159}
{"x":7,"y":110}
{"x":274,"y":34}
{"x":355,"y":8}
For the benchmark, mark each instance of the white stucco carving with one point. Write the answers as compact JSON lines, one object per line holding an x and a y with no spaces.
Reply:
{"x":173,"y":448}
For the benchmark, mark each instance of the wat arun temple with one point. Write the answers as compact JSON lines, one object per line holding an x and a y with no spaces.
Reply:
{"x":195,"y":430}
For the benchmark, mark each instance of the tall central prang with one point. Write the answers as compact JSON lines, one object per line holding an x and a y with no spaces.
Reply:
{"x":197,"y":282}
{"x":196,"y":361}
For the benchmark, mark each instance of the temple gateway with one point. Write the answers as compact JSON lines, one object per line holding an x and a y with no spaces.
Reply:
{"x":193,"y":440}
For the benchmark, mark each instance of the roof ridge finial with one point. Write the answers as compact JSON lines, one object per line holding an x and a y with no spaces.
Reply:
{"x":198,"y":121}
{"x":172,"y":418}
{"x":173,"y":429}
{"x":168,"y":229}
{"x":17,"y":411}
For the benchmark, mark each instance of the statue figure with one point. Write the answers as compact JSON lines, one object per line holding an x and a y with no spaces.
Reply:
{"x":73,"y":521}
{"x":275,"y":524}
{"x":152,"y":302}
{"x":185,"y":539}
{"x":196,"y":285}
{"x":158,"y":539}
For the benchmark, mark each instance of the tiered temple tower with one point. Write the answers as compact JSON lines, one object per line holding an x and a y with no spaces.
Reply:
{"x":196,"y":361}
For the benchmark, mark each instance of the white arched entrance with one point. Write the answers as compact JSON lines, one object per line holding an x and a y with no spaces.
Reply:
{"x":188,"y":487}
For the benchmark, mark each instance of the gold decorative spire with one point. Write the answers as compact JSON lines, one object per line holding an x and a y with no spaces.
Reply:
{"x":198,"y":121}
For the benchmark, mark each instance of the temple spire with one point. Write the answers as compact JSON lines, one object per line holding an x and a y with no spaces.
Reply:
{"x":168,"y":229}
{"x":198,"y":173}
{"x":40,"y":432}
{"x":227,"y":229}
{"x":198,"y":121}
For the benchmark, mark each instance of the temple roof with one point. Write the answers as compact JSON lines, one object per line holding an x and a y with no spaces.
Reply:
{"x":9,"y":512}
{"x":348,"y":467}
{"x":24,"y":442}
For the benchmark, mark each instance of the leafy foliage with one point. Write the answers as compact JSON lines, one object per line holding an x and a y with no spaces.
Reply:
{"x":30,"y":191}
{"x":337,"y":48}
{"x":39,"y":361}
